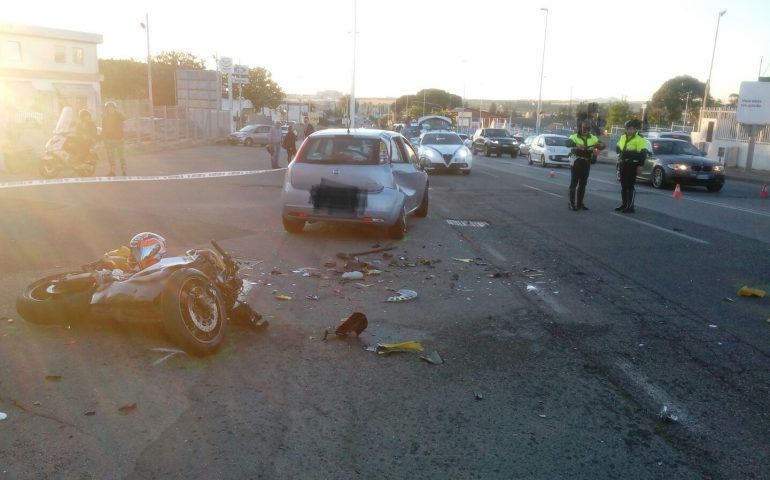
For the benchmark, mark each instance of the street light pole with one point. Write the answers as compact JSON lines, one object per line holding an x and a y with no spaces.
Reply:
{"x":708,"y":80}
{"x":352,"y":109}
{"x":542,"y":67}
{"x":146,"y":26}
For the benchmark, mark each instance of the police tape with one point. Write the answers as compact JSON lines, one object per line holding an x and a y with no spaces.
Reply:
{"x":133,"y":178}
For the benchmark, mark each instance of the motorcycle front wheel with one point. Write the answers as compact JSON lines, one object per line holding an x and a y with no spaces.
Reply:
{"x":193,"y":312}
{"x":88,"y":168}
{"x":52,"y":300}
{"x":49,"y":168}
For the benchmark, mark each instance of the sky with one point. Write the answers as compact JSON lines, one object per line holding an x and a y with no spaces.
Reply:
{"x":484,"y":49}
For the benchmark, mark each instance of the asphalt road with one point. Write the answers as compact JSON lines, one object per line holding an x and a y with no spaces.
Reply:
{"x":563,"y":333}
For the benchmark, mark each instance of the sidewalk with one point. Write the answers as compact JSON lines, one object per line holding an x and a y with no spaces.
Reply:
{"x":761,"y":177}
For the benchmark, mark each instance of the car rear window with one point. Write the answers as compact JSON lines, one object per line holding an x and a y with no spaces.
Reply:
{"x":343,"y":149}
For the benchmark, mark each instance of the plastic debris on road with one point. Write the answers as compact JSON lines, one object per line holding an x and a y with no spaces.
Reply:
{"x":403,"y":296}
{"x":478,"y":396}
{"x":747,"y":291}
{"x":464,"y":260}
{"x":311,"y":297}
{"x":531,"y":288}
{"x":281,"y":297}
{"x":667,"y":415}
{"x":53,"y":378}
{"x":126,"y":409}
{"x":3,"y":416}
{"x":355,"y":275}
{"x":408,"y":346}
{"x":432,"y":358}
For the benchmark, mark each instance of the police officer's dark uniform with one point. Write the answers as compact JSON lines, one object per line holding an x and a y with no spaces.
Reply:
{"x":583,"y":145}
{"x":632,"y":152}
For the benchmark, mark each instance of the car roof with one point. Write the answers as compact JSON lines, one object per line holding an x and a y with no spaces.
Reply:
{"x":356,"y":132}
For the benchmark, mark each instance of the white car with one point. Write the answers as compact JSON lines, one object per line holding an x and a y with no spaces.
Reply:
{"x":549,"y":149}
{"x":444,"y":152}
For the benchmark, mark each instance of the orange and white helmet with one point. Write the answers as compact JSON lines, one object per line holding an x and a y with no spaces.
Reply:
{"x":147,"y":249}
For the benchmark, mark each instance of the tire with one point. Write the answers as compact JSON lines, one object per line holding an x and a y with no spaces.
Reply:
{"x":89,"y":168}
{"x":293,"y":226}
{"x":38,"y":305}
{"x":486,"y":151}
{"x":194,"y":315}
{"x":715,"y":187}
{"x":466,"y":172}
{"x":658,"y":178}
{"x":248,"y":142}
{"x":499,"y":154}
{"x":398,"y":229}
{"x":514,"y":155}
{"x":542,"y":161}
{"x":529,"y":158}
{"x":422,"y":210}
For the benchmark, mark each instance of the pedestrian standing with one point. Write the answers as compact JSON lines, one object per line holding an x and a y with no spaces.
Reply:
{"x":583,"y":145}
{"x":112,"y":133}
{"x":274,"y":137}
{"x":632,"y":152}
{"x":309,"y":129}
{"x":290,"y":143}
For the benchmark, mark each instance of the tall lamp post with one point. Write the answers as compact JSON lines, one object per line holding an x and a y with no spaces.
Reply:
{"x":352,"y":109}
{"x":708,"y":80}
{"x":146,"y":26}
{"x":542,"y":66}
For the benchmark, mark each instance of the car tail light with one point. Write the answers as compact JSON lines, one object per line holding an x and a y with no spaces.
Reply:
{"x":297,"y":214}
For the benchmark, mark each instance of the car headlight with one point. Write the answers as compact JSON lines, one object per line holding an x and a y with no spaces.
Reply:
{"x":719,"y":168}
{"x":462,"y":154}
{"x":681,"y":167}
{"x":494,"y":141}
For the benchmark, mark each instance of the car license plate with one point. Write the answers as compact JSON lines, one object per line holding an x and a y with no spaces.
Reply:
{"x":335,"y":198}
{"x":702,"y":176}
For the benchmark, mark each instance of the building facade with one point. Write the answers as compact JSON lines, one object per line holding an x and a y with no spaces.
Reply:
{"x":43,"y":69}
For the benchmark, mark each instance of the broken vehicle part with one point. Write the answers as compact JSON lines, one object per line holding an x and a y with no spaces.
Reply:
{"x":403,"y":296}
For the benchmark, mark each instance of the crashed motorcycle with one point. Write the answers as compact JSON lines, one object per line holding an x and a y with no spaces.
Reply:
{"x":64,"y":151}
{"x":193,"y":296}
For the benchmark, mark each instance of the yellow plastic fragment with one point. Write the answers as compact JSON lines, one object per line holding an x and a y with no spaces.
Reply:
{"x":746,"y":291}
{"x":410,"y":346}
{"x":281,"y":297}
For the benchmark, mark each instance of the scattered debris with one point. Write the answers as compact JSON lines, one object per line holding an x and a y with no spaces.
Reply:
{"x":36,"y":403}
{"x":3,"y":416}
{"x":364,"y":285}
{"x":355,"y":323}
{"x":713,"y":326}
{"x":373,"y":271}
{"x":433,"y":358}
{"x":330,"y":264}
{"x":408,"y":346}
{"x":275,"y":271}
{"x":354,"y":275}
{"x":542,"y":415}
{"x":90,"y":413}
{"x":126,"y":409}
{"x":7,"y":319}
{"x":349,"y":256}
{"x":499,"y":275}
{"x":478,"y":396}
{"x":53,"y":378}
{"x":170,"y":352}
{"x":728,"y":299}
{"x":280,"y":296}
{"x":464,"y":260}
{"x":667,"y":416}
{"x":531,"y":288}
{"x":312,"y":297}
{"x":403,"y":296}
{"x":747,"y":291}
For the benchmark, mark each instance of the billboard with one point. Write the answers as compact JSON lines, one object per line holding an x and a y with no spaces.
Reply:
{"x":753,"y":103}
{"x":198,"y":89}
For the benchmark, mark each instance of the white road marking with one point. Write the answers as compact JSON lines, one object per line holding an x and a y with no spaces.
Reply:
{"x":541,"y":190}
{"x":182,"y":176}
{"x":662,"y":229}
{"x":729,"y":207}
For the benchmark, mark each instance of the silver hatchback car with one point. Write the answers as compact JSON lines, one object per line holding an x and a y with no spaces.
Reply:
{"x":358,"y":177}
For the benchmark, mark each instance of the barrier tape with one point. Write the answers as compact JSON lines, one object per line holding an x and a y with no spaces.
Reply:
{"x":153,"y":178}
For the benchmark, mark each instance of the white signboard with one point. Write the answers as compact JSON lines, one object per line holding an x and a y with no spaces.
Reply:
{"x":241,"y":70}
{"x":754,"y":103}
{"x":226,"y":65}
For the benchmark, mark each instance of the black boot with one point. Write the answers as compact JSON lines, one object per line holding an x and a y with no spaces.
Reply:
{"x":630,"y":194}
{"x":624,"y":198}
{"x":581,"y":193}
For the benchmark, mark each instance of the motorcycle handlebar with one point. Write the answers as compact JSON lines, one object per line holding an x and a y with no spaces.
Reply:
{"x":228,"y":259}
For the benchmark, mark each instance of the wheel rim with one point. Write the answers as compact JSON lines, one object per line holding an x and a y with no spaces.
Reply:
{"x":542,"y":160}
{"x":657,"y":178}
{"x":200,"y":309}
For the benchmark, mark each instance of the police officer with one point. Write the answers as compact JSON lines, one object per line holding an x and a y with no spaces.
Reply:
{"x":632,"y":152}
{"x":583,"y":144}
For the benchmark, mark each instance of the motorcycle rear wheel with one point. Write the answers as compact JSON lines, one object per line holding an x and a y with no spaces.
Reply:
{"x":194,"y":313}
{"x":49,"y":169}
{"x":42,"y":303}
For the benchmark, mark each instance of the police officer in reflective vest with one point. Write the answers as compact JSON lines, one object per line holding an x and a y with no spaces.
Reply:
{"x":632,"y":152}
{"x":583,"y":145}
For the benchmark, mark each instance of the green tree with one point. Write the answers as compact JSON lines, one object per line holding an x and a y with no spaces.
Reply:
{"x":262,"y":89}
{"x":493,"y":108}
{"x":618,"y":113}
{"x":164,"y":67}
{"x":123,"y":79}
{"x":669,"y":101}
{"x":432,"y":98}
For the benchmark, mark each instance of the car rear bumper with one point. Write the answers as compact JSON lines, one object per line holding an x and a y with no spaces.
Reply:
{"x":381,"y":208}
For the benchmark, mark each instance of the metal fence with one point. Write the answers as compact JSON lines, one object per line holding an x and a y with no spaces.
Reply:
{"x":728,"y":129}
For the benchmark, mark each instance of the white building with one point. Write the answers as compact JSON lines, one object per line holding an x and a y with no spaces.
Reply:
{"x":43,"y":69}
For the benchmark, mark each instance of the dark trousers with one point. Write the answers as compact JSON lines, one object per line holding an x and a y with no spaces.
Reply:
{"x":627,"y":182}
{"x":578,"y":180}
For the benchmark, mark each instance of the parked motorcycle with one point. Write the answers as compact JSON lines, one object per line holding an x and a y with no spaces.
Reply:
{"x":193,"y":296}
{"x":64,"y":151}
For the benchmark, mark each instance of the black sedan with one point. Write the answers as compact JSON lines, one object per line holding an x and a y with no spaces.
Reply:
{"x":678,"y":162}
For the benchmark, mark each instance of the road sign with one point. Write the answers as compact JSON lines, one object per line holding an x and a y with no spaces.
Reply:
{"x":226,"y":65}
{"x":241,"y":70}
{"x":753,"y":103}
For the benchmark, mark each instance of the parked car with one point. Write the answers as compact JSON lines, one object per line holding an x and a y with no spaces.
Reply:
{"x":444,"y":152}
{"x":369,"y":177}
{"x":495,"y":140}
{"x":466,"y":140}
{"x":677,"y":161}
{"x":250,"y":135}
{"x":412,"y":133}
{"x":525,"y":145}
{"x":675,"y":135}
{"x":549,"y":149}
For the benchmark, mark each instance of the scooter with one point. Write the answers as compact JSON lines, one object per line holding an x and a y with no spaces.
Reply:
{"x":62,"y":151}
